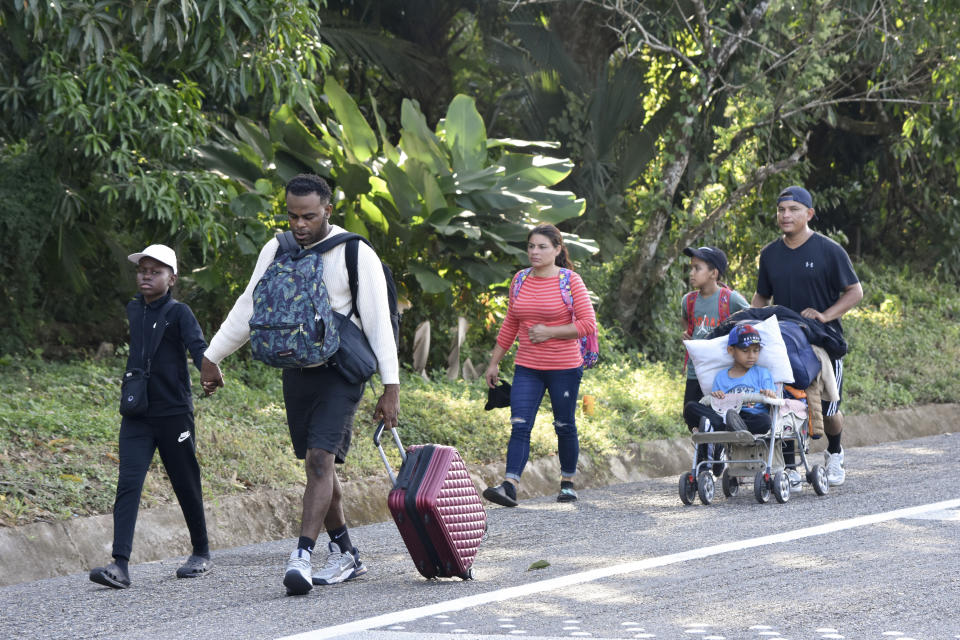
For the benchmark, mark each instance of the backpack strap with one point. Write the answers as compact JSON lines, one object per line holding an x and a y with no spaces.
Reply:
{"x":352,"y":251}
{"x":157,"y":335}
{"x":565,"y":294}
{"x":288,"y":244}
{"x":691,"y":304}
{"x":723,"y":304}
{"x":518,"y":281}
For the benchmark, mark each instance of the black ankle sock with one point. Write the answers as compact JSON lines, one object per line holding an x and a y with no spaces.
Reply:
{"x":833,"y":443}
{"x":122,"y":562}
{"x":205,"y":554}
{"x":342,"y":538}
{"x":510,"y":489}
{"x":566,"y":484}
{"x":306,"y":543}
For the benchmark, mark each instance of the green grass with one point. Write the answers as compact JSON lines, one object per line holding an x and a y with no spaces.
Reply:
{"x":59,"y":423}
{"x":59,"y":420}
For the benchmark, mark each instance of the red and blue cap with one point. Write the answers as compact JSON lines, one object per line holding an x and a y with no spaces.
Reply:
{"x":743,"y":335}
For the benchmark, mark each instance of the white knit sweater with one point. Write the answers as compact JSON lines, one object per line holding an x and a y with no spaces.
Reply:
{"x":372,"y":304}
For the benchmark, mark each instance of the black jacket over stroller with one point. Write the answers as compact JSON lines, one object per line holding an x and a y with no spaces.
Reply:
{"x":817,"y":333}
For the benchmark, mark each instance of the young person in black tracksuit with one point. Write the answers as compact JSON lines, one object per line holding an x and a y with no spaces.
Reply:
{"x":167,"y":424}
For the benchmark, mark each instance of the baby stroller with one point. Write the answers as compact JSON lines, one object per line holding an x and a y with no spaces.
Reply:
{"x":758,"y":457}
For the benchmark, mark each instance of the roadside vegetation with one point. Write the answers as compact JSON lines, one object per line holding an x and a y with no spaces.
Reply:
{"x":59,"y":421}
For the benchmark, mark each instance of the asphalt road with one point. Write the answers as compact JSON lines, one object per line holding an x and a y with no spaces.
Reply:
{"x":878,"y":558}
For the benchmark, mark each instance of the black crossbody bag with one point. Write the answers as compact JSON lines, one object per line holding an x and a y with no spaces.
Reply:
{"x":133,"y":388}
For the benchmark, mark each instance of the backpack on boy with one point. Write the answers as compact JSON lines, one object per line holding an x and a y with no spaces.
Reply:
{"x":589,"y":344}
{"x":293,"y":323}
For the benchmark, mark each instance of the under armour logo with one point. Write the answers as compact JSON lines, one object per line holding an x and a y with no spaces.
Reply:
{"x":808,"y":265}
{"x":183,"y":436}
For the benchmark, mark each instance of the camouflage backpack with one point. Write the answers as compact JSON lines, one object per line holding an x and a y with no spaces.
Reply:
{"x":293,"y":323}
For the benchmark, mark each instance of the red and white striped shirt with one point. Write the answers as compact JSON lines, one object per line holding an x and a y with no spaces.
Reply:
{"x":540,"y":302}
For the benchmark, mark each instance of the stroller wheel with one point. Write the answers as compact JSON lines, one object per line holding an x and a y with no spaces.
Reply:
{"x":688,"y":488}
{"x":781,"y":486}
{"x":761,"y":488}
{"x":706,"y":487}
{"x":729,"y":484}
{"x":817,"y":476}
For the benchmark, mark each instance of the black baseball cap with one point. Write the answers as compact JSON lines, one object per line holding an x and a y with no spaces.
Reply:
{"x":797,"y":194}
{"x":710,"y":255}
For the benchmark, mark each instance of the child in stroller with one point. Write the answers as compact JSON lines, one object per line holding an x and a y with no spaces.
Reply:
{"x":753,"y":436}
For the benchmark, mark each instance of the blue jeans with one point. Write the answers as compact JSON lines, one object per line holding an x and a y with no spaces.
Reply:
{"x":525,"y":397}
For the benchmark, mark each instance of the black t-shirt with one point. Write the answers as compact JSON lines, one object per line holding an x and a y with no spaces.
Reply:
{"x":814,"y":275}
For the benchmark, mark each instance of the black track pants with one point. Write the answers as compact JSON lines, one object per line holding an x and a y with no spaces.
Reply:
{"x":173,"y":436}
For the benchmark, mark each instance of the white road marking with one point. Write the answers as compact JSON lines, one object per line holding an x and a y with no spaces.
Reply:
{"x":564,"y":582}
{"x":952,"y":515}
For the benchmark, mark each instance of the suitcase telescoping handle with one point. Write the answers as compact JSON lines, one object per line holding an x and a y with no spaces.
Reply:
{"x":383,"y":456}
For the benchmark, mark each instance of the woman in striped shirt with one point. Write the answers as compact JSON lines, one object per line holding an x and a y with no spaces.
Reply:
{"x":548,"y":358}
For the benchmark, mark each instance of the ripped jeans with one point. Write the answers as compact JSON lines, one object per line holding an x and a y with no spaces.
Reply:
{"x":525,"y":397}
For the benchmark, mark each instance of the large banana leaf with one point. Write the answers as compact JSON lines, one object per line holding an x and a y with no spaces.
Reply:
{"x":466,"y":135}
{"x":450,"y":209}
{"x":539,"y":170}
{"x":418,"y":141}
{"x":360,"y":141}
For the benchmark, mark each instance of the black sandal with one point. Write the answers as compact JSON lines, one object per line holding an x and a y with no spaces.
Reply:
{"x":110,"y":576}
{"x":194,"y":566}
{"x":499,"y":495}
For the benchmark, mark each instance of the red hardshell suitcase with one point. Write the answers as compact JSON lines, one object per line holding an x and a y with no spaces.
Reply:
{"x":436,"y":507}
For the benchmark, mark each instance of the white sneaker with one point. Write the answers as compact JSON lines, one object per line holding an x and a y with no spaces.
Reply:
{"x":340,"y":566}
{"x":297,"y":578}
{"x":796,"y":482}
{"x":834,"y":464}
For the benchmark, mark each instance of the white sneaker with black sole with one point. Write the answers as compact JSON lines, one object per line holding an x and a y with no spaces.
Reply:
{"x":834,"y":466}
{"x":297,"y":577}
{"x":340,"y":567}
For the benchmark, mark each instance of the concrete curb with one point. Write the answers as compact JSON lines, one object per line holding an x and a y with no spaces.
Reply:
{"x":45,"y":550}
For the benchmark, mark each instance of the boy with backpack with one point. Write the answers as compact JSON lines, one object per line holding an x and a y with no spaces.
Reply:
{"x":157,"y":411}
{"x":709,"y":304}
{"x":319,"y":393}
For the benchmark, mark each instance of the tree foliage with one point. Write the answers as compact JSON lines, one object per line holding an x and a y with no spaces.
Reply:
{"x":681,"y":121}
{"x":747,"y":86}
{"x":115,"y":96}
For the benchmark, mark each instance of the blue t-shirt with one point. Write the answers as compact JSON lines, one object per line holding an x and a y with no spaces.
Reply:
{"x":753,"y":381}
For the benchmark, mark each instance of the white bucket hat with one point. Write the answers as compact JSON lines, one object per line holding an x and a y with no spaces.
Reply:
{"x":160,"y":252}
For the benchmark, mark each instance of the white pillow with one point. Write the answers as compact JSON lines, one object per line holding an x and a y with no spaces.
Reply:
{"x":710,"y":357}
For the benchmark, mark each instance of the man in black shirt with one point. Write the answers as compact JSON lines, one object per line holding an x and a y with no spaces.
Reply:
{"x":811,"y":274}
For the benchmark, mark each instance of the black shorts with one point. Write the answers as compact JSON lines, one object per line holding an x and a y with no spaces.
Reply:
{"x":831,"y":408}
{"x":320,"y":408}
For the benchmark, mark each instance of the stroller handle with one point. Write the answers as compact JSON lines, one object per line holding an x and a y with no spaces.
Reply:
{"x":745,"y":397}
